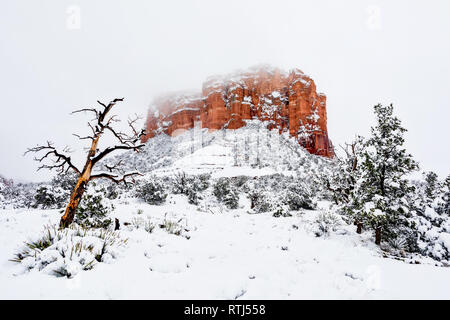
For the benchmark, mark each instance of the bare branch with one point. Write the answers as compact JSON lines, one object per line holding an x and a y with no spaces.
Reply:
{"x":116,"y":178}
{"x":123,"y":138}
{"x":114,"y":167}
{"x":103,"y":114}
{"x":83,"y":138}
{"x":61,"y":163}
{"x":108,"y":150}
{"x":86,"y":110}
{"x":101,"y":103}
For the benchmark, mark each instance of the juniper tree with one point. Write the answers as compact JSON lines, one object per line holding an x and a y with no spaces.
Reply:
{"x":379,"y":197}
{"x":431,"y":186}
{"x":443,"y":205}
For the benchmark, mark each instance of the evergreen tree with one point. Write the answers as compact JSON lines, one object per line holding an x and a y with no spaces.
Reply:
{"x":443,"y":205}
{"x":431,"y":187}
{"x":379,"y":197}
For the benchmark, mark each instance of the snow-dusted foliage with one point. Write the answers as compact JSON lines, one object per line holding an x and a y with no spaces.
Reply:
{"x":64,"y":253}
{"x":94,"y":208}
{"x":226,"y":193}
{"x":378,"y":199}
{"x":47,"y":195}
{"x":340,"y":181}
{"x":326,"y":222}
{"x":190,"y":185}
{"x":20,"y":195}
{"x":299,"y":195}
{"x":430,"y":203}
{"x":151,"y":190}
{"x":425,"y":222}
{"x":56,"y":194}
{"x":371,"y":184}
{"x":442,"y":200}
{"x":281,"y":194}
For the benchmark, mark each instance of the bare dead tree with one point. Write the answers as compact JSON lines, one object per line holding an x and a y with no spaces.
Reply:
{"x":348,"y":165}
{"x":52,"y":159}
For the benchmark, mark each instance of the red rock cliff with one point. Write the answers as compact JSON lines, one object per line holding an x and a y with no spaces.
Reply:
{"x":285,"y":101}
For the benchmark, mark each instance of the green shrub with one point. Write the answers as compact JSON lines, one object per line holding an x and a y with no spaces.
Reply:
{"x":93,"y":210}
{"x":298,"y":196}
{"x":327,"y":221}
{"x":152,"y":192}
{"x":226,"y":193}
{"x":191,"y":186}
{"x":46,"y":198}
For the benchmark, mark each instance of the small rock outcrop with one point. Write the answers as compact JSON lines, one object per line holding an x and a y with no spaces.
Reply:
{"x":282,"y":100}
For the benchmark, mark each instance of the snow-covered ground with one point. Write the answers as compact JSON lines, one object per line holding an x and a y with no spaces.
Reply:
{"x":221,"y":255}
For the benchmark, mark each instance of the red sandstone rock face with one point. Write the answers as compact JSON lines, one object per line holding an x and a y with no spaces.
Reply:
{"x":285,"y":101}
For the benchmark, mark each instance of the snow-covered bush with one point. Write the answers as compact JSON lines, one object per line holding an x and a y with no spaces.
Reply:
{"x":260,"y":201}
{"x":240,"y":181}
{"x":327,"y":221}
{"x":93,"y":209}
{"x":281,"y":211}
{"x":112,"y":190}
{"x":51,"y":195}
{"x":442,"y":204}
{"x":146,"y":224}
{"x":264,"y":202}
{"x":172,"y":226}
{"x":431,"y":223}
{"x":190,"y":185}
{"x":180,"y":183}
{"x":226,"y":193}
{"x":47,"y":197}
{"x":298,"y":196}
{"x":65,"y":181}
{"x":56,"y":194}
{"x":152,"y":191}
{"x":434,"y":238}
{"x":65,"y":252}
{"x":19,"y":195}
{"x":149,"y":226}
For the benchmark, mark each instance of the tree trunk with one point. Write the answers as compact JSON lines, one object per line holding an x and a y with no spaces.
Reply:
{"x":80,"y":187}
{"x":358,"y":227}
{"x":378,"y":235}
{"x":75,"y":198}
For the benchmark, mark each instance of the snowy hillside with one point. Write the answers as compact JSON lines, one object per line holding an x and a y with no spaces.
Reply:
{"x":249,"y":150}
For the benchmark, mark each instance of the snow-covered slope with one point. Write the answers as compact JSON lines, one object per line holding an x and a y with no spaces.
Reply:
{"x":249,"y":150}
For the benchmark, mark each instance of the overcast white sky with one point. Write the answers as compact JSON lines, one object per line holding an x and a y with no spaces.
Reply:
{"x":358,"y":52}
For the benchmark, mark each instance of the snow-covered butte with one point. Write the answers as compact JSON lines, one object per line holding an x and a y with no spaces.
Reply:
{"x":286,"y":101}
